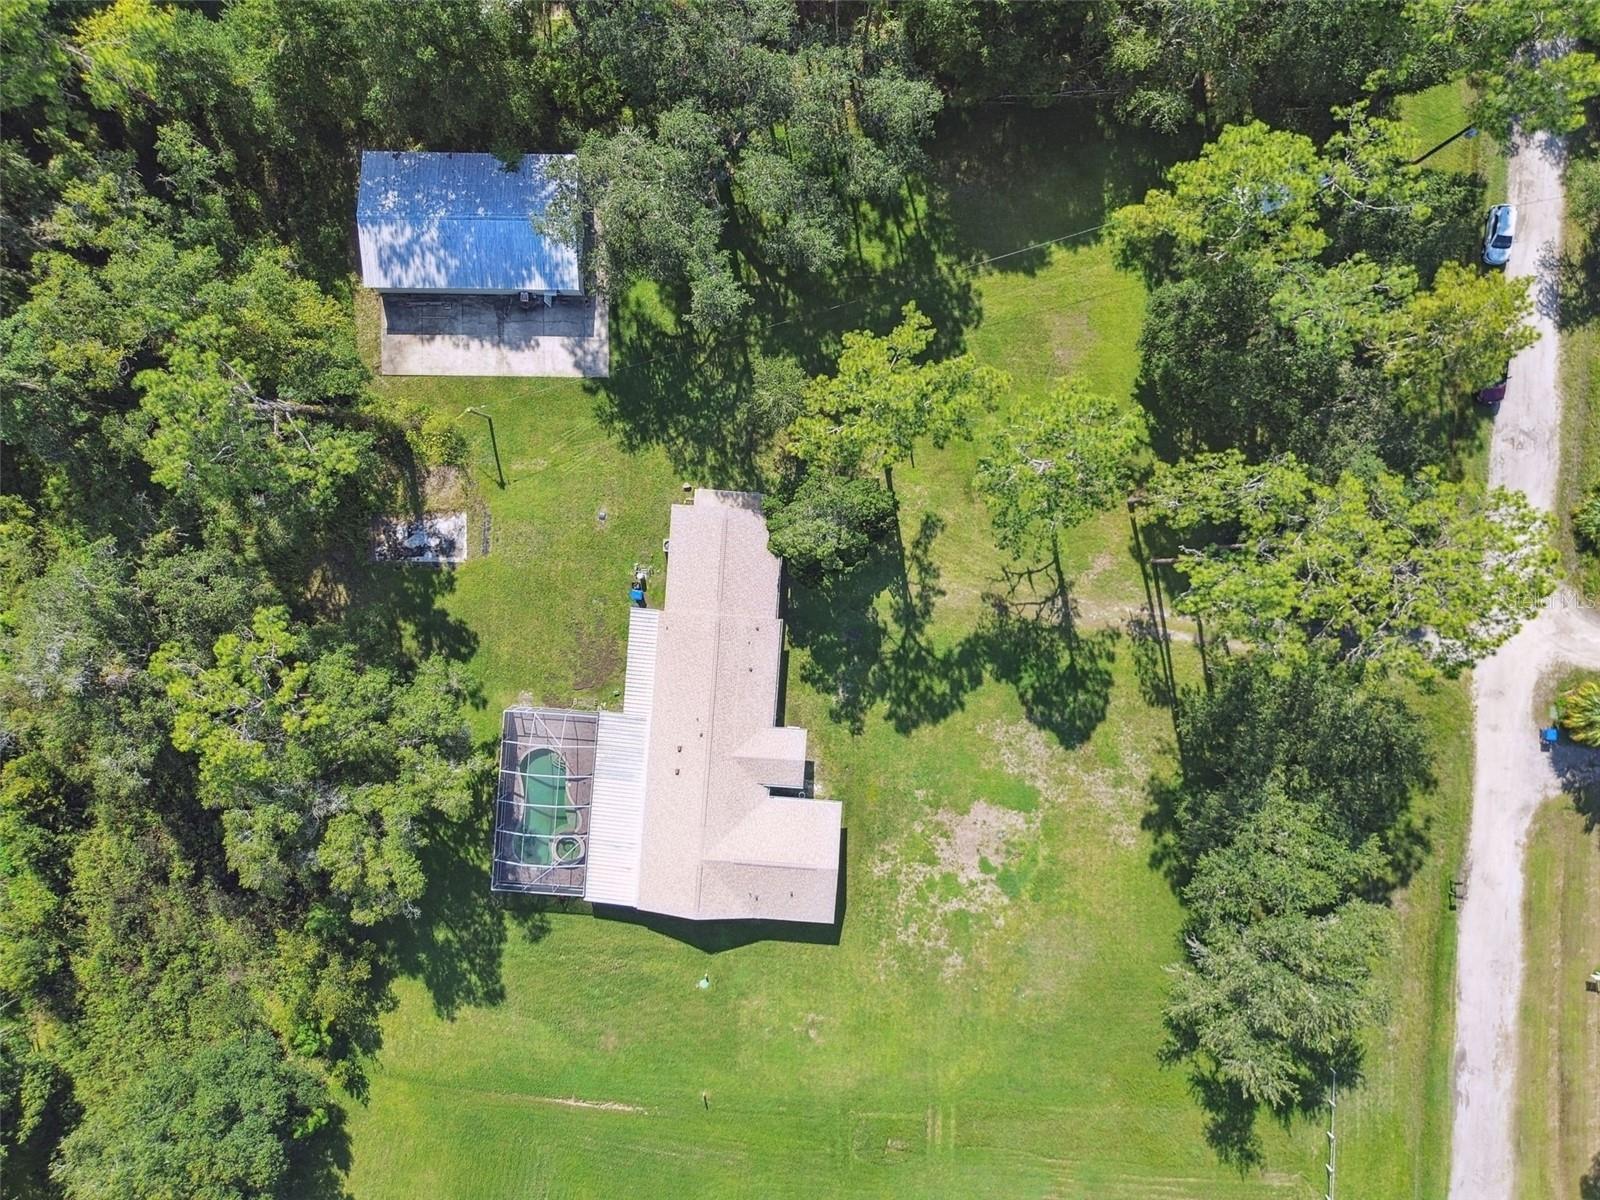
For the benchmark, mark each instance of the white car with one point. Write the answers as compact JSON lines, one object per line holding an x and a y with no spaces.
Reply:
{"x":1497,"y":233}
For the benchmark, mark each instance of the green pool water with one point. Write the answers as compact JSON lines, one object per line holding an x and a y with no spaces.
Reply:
{"x":547,"y":813}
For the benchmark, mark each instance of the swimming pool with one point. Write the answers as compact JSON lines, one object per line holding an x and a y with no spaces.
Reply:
{"x":546,"y":813}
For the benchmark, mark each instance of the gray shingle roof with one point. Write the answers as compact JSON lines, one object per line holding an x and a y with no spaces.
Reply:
{"x":459,"y":222}
{"x":717,"y":844}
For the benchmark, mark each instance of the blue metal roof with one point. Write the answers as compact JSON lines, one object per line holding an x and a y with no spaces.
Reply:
{"x":459,"y":222}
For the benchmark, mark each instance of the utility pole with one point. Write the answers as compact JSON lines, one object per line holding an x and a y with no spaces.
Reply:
{"x":1333,"y":1149}
{"x":493,"y":442}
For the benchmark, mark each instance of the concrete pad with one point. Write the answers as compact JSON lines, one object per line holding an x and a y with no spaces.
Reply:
{"x":494,"y":335}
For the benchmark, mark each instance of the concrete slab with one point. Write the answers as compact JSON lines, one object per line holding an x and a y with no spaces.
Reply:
{"x":494,"y":335}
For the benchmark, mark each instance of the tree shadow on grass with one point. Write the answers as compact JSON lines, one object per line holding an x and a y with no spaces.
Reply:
{"x":1230,"y":1128}
{"x":1152,"y":659}
{"x":1231,"y":1116}
{"x":1589,"y":1185}
{"x":863,"y":656}
{"x":1013,"y":177}
{"x":673,"y":389}
{"x":457,"y":941}
{"x":1577,"y":770}
{"x":1062,"y":675}
{"x":321,"y":1162}
{"x":1568,"y":289}
{"x":398,"y":605}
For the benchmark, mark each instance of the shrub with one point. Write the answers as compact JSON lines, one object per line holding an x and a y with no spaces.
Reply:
{"x":1580,"y":712}
{"x":1586,"y":520}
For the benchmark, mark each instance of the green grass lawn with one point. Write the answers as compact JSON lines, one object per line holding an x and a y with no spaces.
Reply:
{"x":1558,"y":1116}
{"x":1439,"y":113}
{"x":987,"y":1021}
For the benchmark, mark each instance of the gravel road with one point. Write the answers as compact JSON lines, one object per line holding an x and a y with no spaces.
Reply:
{"x":1512,"y":775}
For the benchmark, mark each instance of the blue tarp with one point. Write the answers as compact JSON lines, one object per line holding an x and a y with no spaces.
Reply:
{"x":459,"y":222}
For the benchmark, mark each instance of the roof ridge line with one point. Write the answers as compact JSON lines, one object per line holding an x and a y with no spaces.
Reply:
{"x":711,"y":714}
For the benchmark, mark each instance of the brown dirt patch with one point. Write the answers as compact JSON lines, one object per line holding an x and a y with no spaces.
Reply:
{"x":599,"y":654}
{"x":943,"y":874}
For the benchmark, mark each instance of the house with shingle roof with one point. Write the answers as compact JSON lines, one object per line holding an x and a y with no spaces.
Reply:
{"x":694,"y":801}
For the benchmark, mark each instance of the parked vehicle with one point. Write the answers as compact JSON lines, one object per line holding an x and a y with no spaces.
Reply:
{"x":1495,"y":392}
{"x":1497,"y":234}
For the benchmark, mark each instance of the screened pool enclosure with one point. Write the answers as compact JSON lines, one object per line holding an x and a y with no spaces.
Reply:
{"x":546,"y":783}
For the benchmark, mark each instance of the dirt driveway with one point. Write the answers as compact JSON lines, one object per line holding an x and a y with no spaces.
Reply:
{"x":1512,"y":775}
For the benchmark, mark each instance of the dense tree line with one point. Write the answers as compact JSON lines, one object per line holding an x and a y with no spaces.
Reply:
{"x":1313,"y":343}
{"x":214,"y":795}
{"x":711,"y":136}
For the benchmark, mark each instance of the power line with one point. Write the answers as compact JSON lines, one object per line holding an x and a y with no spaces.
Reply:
{"x":975,"y":264}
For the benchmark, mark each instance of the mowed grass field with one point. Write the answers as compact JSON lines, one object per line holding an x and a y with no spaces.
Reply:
{"x":1558,"y":1119}
{"x":985,"y":1022}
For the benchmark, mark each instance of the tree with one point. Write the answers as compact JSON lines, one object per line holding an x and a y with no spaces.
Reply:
{"x":1328,"y":735}
{"x":175,"y":390}
{"x":1583,"y":190}
{"x":1285,"y":855}
{"x":35,"y":59}
{"x":1274,"y":362}
{"x":324,"y":770}
{"x":123,"y":46}
{"x":1342,"y":308}
{"x":215,"y":1124}
{"x":830,"y":524}
{"x":1170,"y":61}
{"x":654,"y":195}
{"x":1586,"y":519}
{"x":1423,"y":574}
{"x":1056,"y":463}
{"x":1250,"y":197}
{"x":112,"y":284}
{"x":870,"y":413}
{"x":1457,"y":337}
{"x":1271,"y":1005}
{"x":1264,"y":199}
{"x":212,"y":438}
{"x":721,"y":108}
{"x":1369,"y":163}
{"x":1529,"y":63}
{"x":986,"y":49}
{"x":1290,"y":821}
{"x":777,"y":396}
